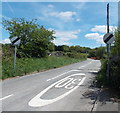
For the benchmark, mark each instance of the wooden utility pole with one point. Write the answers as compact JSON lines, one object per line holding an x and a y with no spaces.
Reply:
{"x":108,"y":45}
{"x":108,"y":18}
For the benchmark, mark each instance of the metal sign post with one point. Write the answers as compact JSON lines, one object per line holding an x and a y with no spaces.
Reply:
{"x":15,"y":51}
{"x":16,"y":42}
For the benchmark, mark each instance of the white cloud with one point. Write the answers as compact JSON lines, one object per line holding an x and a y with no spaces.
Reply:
{"x":64,"y":37}
{"x":50,"y":6}
{"x":66,"y":16}
{"x":77,"y":19}
{"x":95,"y":36}
{"x":102,"y":28}
{"x":98,"y":29}
{"x":5,"y":41}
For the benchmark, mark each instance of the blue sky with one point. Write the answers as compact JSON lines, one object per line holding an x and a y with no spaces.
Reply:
{"x":75,"y":23}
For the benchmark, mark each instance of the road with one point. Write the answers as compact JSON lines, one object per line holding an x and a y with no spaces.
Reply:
{"x":60,"y":89}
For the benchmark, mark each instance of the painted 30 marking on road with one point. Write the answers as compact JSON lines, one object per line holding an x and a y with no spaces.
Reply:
{"x":70,"y":83}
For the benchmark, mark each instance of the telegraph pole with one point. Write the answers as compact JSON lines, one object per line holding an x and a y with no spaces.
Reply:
{"x":108,"y":45}
{"x":108,"y":18}
{"x":108,"y":39}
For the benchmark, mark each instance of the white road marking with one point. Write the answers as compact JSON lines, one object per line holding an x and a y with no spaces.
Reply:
{"x":63,"y":85}
{"x":93,"y":71}
{"x":82,"y":67}
{"x":6,"y":97}
{"x":69,"y":81}
{"x":61,"y":74}
{"x":38,"y":102}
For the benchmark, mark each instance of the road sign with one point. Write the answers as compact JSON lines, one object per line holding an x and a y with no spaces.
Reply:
{"x":108,"y":38}
{"x":15,"y":40}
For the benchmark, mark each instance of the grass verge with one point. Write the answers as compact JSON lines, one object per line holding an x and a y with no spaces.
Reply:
{"x":28,"y":65}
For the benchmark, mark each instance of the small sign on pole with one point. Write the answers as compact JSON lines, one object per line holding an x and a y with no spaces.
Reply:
{"x":16,"y":42}
{"x":108,"y":38}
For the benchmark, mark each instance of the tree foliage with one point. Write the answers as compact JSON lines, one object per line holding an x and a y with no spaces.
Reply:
{"x":36,"y":41}
{"x":115,"y":61}
{"x":63,"y":48}
{"x":77,"y":48}
{"x":98,"y":52}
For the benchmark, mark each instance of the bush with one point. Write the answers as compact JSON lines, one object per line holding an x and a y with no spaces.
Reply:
{"x":114,"y":78}
{"x":115,"y":73}
{"x":102,"y":78}
{"x":76,"y":55}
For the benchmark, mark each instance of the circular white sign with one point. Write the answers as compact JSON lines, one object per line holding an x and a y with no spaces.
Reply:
{"x":108,"y":38}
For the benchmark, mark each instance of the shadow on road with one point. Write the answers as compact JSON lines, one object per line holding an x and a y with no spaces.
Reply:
{"x":104,"y":96}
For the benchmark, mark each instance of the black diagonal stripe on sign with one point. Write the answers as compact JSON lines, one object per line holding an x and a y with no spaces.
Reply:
{"x":111,"y":35}
{"x":15,"y":40}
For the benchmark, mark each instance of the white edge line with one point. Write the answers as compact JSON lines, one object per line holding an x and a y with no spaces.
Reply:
{"x":6,"y":97}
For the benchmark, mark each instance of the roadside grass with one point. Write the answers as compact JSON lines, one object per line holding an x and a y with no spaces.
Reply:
{"x":28,"y":65}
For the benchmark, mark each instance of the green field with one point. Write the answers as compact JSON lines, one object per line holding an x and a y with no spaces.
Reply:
{"x":28,"y":65}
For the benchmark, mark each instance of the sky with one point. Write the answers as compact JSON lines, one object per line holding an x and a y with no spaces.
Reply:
{"x":74,"y":23}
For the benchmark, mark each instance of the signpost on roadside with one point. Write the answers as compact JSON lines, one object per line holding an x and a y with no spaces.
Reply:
{"x":108,"y":39}
{"x":16,"y":42}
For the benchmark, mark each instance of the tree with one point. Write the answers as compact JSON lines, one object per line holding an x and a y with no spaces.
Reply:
{"x":116,"y":47}
{"x":115,"y":61}
{"x":75,"y":49}
{"x":92,"y":53}
{"x":36,"y":41}
{"x":100,"y":52}
{"x":64,"y":48}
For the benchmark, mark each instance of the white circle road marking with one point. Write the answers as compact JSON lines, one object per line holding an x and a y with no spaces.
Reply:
{"x":38,"y":102}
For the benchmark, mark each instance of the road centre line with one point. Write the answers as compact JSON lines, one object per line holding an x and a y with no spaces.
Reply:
{"x":6,"y":97}
{"x":61,"y":75}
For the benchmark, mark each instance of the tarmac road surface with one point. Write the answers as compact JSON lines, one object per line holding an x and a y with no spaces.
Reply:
{"x":60,"y":89}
